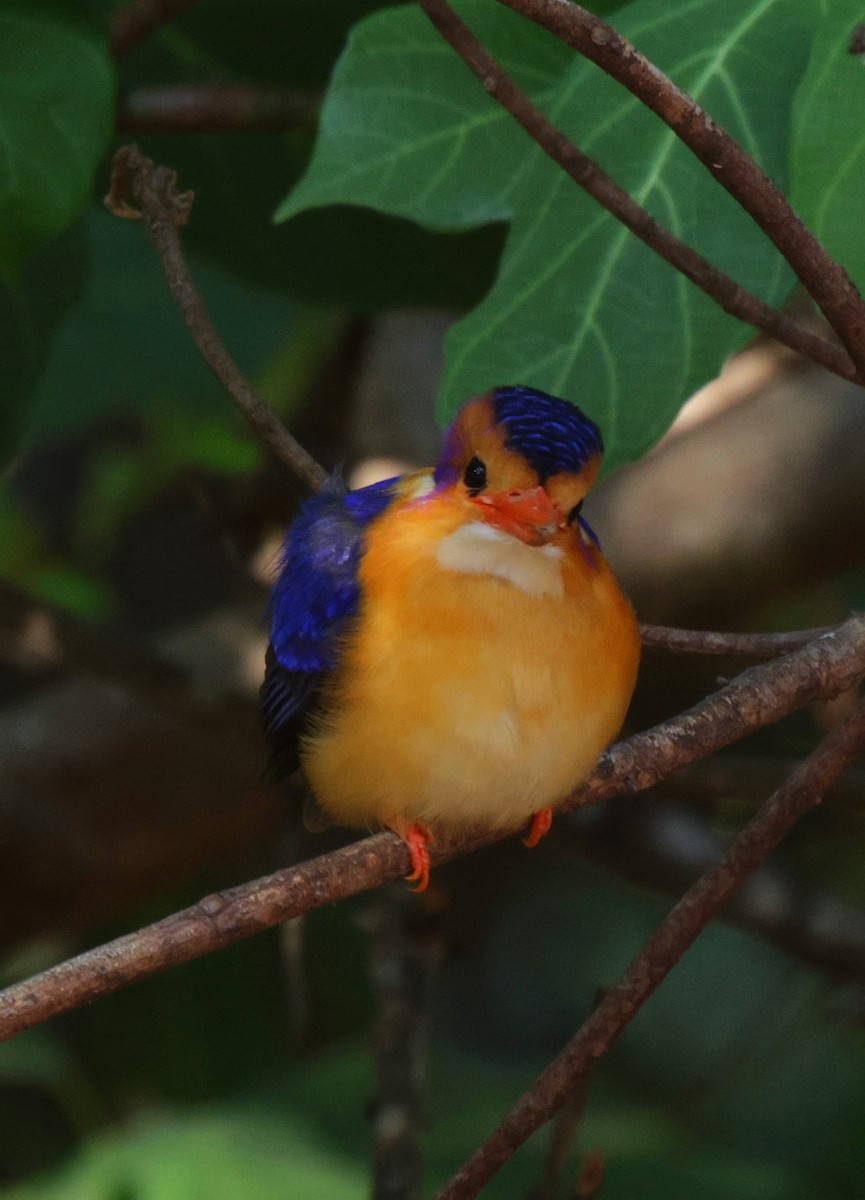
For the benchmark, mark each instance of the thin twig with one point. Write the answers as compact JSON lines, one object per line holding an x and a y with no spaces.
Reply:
{"x":164,"y":209}
{"x":745,"y":645}
{"x":664,"y":847}
{"x":760,"y":696}
{"x":138,"y":19}
{"x":803,"y":790}
{"x":209,"y":108}
{"x":729,"y":295}
{"x":824,"y":279}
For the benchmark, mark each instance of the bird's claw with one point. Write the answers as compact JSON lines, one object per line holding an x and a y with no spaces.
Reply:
{"x":541,"y":822}
{"x":418,"y":838}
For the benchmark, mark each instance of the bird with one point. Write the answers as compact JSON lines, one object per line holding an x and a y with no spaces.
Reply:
{"x":449,"y":649}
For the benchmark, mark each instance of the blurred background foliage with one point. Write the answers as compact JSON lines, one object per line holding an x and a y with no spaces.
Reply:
{"x":139,"y":521}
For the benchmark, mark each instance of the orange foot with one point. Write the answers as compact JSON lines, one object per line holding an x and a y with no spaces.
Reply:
{"x":540,"y":825}
{"x":418,"y":838}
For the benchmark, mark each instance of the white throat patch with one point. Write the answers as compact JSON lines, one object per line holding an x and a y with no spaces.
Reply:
{"x":479,"y":549}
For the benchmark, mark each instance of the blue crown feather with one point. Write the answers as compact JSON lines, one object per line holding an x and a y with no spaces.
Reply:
{"x":551,"y":434}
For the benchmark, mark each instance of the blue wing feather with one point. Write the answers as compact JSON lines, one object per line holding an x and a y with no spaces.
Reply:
{"x":313,"y":602}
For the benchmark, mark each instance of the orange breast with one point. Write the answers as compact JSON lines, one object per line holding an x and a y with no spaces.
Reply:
{"x":471,"y":699}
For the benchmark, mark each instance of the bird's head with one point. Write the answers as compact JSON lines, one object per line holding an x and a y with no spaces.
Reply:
{"x":521,"y":461}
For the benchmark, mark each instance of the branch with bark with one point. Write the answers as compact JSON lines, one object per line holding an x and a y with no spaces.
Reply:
{"x":663,"y":847}
{"x":803,"y":668}
{"x":824,"y":668}
{"x":403,"y":955}
{"x":803,"y":790}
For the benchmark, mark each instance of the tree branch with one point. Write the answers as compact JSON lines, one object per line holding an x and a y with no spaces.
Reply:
{"x":402,"y":959}
{"x":729,"y":295}
{"x":822,"y":669}
{"x":824,"y":279}
{"x":209,"y":108}
{"x":748,"y":645}
{"x":164,"y":209}
{"x":664,"y":847}
{"x":139,"y":18}
{"x":803,"y":790}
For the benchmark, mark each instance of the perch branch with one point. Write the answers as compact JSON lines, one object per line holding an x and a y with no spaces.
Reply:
{"x":823,"y":278}
{"x":803,"y":790}
{"x":822,"y":669}
{"x":164,"y":209}
{"x":729,"y":295}
{"x":138,"y":19}
{"x":209,"y":108}
{"x":746,"y":645}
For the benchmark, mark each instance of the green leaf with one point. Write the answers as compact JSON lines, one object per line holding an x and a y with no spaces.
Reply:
{"x":28,"y":560}
{"x":231,"y":1155}
{"x":828,"y":145}
{"x":125,"y":346}
{"x":346,"y":256}
{"x":56,"y":115}
{"x":580,"y":307}
{"x":407,"y":130}
{"x":31,"y":309}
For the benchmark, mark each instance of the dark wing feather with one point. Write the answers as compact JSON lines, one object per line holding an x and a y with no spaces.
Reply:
{"x":287,"y":699}
{"x":314,"y":600}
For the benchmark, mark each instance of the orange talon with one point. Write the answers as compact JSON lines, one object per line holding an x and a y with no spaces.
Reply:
{"x":418,"y":838}
{"x":541,"y":823}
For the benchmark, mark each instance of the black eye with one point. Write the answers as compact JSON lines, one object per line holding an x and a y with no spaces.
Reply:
{"x":475,"y":477}
{"x":575,"y":512}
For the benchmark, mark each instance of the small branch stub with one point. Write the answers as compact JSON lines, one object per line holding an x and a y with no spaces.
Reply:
{"x":156,"y":185}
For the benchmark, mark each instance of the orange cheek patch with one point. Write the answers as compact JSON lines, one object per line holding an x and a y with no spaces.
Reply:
{"x":568,"y":490}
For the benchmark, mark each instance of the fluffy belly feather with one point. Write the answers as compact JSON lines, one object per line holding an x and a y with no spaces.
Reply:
{"x":462,"y":700}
